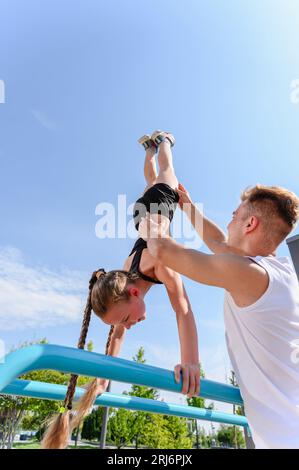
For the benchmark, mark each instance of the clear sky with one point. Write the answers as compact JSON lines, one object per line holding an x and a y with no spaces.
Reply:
{"x":83,"y":81}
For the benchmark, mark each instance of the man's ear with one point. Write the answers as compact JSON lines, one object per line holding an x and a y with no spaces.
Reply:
{"x":252,"y":224}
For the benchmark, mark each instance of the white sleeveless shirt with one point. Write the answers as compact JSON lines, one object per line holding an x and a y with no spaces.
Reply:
{"x":263,"y":345}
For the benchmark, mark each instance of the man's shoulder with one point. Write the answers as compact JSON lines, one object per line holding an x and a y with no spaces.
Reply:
{"x":244,"y":278}
{"x":252,"y":283}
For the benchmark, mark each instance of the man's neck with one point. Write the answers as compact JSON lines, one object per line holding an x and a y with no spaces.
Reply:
{"x":250,"y":251}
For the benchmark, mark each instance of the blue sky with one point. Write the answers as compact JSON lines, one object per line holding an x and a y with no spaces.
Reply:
{"x":83,"y":81}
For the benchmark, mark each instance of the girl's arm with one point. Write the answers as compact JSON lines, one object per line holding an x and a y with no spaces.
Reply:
{"x":178,"y":297}
{"x":117,"y":338}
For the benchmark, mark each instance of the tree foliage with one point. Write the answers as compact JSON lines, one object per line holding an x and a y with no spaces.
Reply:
{"x":144,"y":429}
{"x":231,"y":436}
{"x":31,"y":413}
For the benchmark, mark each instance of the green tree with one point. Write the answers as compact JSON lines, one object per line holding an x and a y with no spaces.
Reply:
{"x":173,"y":431}
{"x":166,"y":432}
{"x":231,"y":436}
{"x":15,"y":409}
{"x":155,"y":434}
{"x":31,"y":413}
{"x":238,"y":410}
{"x":146,"y":429}
{"x":126,"y":427}
{"x":11,"y":413}
{"x":139,"y":419}
{"x":138,"y":428}
{"x":38,"y":410}
{"x":92,"y":424}
{"x":212,"y":439}
{"x":203,"y":438}
{"x":178,"y":432}
{"x":119,"y":428}
{"x":198,"y":402}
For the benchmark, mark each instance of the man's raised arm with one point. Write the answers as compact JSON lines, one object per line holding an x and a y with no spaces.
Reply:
{"x":209,"y":232}
{"x":239,"y":275}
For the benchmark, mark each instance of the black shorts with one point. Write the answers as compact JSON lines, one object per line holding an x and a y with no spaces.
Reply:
{"x":158,"y":199}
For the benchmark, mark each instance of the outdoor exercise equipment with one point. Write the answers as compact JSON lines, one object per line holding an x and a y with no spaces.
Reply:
{"x":78,"y":361}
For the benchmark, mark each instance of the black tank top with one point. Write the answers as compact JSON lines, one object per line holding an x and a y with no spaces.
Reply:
{"x":138,"y":248}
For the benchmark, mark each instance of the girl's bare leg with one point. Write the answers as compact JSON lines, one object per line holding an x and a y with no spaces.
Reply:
{"x":166,"y":169}
{"x":150,"y":168}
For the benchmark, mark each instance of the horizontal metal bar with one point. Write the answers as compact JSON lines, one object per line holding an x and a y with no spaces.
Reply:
{"x":78,"y":361}
{"x":49,"y":391}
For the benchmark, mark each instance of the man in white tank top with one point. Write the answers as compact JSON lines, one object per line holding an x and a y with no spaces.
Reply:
{"x":261,"y":304}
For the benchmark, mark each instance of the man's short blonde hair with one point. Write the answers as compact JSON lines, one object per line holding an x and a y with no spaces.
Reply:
{"x":276,"y":207}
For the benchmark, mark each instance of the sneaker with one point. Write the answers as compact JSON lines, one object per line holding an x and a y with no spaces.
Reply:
{"x":159,"y":136}
{"x":147,"y":142}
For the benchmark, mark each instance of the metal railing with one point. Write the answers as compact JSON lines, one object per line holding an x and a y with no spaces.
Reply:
{"x":77,"y":361}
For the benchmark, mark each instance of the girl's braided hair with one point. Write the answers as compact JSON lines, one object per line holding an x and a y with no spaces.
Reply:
{"x":104,"y":289}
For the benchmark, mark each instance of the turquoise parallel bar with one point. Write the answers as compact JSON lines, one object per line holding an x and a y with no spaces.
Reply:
{"x":49,"y":391}
{"x":77,"y":361}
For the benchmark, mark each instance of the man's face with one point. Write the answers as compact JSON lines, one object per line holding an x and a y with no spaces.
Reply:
{"x":236,"y":227}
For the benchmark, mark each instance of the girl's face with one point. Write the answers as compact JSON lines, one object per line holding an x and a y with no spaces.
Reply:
{"x":127,"y":313}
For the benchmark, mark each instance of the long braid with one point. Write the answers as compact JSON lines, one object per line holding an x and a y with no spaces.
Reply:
{"x":59,"y":427}
{"x":109,"y":340}
{"x":93,"y":389}
{"x":81,"y":343}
